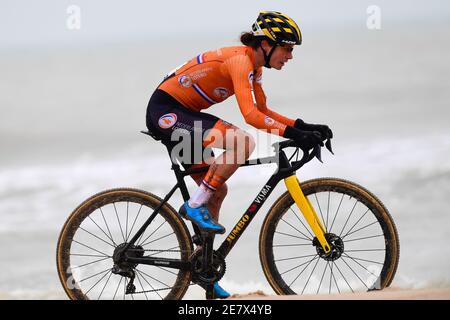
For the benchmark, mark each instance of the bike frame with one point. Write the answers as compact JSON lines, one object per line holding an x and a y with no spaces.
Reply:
{"x":284,"y":171}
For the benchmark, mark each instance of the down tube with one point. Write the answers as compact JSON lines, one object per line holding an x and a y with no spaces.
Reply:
{"x":248,"y":216}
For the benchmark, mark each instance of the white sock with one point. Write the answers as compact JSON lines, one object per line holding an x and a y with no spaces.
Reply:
{"x":200,"y":196}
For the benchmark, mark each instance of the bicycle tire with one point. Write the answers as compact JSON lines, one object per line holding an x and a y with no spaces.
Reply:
{"x":284,"y":213}
{"x":88,"y":218}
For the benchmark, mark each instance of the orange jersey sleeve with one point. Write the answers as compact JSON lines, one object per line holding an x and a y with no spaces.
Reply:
{"x":240,"y":69}
{"x":260,"y":98}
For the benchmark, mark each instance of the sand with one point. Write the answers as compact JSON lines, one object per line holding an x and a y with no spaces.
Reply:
{"x":386,"y":294}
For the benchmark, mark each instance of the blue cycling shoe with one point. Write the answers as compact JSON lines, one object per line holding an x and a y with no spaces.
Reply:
{"x":202,"y":218}
{"x":219,"y":292}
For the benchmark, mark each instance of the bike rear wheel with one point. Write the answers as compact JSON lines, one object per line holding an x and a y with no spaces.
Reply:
{"x":358,"y":227}
{"x":108,"y":220}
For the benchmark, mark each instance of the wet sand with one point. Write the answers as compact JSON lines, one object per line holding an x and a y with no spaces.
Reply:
{"x":386,"y":294}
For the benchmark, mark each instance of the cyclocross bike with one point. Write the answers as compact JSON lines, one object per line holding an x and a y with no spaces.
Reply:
{"x":130,"y":244}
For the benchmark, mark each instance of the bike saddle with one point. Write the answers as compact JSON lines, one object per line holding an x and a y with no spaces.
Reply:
{"x":152,"y":134}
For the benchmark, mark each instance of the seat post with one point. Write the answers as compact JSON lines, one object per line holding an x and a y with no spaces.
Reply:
{"x":175,"y":167}
{"x":179,"y":176}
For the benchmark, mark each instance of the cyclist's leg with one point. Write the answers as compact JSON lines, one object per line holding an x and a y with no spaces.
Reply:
{"x":215,"y":202}
{"x":165,"y":116}
{"x":238,"y":146}
{"x":183,"y":131}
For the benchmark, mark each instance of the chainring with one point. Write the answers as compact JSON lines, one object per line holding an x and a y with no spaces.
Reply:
{"x":215,"y":273}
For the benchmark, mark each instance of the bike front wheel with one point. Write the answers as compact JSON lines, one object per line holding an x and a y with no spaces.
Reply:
{"x":107,"y":221}
{"x":360,"y":230}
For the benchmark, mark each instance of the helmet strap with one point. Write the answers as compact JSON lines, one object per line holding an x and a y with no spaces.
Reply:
{"x":267,"y":56}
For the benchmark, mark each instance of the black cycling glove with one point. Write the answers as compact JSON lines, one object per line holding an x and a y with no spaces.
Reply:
{"x":324,"y":130}
{"x":305,"y":140}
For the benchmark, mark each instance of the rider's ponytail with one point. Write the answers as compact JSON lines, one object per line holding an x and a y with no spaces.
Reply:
{"x":249,"y":39}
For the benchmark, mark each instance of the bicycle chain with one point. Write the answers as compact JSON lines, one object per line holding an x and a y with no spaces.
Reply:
{"x":154,"y":290}
{"x":153,"y":250}
{"x":161,"y":289}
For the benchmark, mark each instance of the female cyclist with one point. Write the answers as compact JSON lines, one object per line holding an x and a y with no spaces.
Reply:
{"x":209,"y":78}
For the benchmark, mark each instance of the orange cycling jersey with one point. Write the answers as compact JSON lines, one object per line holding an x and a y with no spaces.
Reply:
{"x":213,"y":76}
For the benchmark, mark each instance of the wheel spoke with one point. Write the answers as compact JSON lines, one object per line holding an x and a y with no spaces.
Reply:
{"x":365,"y":260}
{"x":134,"y":222}
{"x":290,"y":235}
{"x":370,"y":224}
{"x":89,"y":255}
{"x":309,"y":278}
{"x":307,"y":265}
{"x":354,"y":273}
{"x":343,"y":277}
{"x":335,"y":215}
{"x":109,"y":269}
{"x":363,"y":238}
{"x":320,"y":209}
{"x":291,"y":245}
{"x":294,"y":258}
{"x":126,"y":224}
{"x":295,"y":229}
{"x":321,"y":279}
{"x":151,"y":233}
{"x":95,"y":236}
{"x":140,"y":282}
{"x":153,"y":278}
{"x":107,"y":227}
{"x":118,"y":220}
{"x":367,"y":270}
{"x":167,"y":270}
{"x":306,"y":228}
{"x":307,"y":262}
{"x":362,"y":250}
{"x":89,"y":263}
{"x":332,"y":277}
{"x":328,"y":211}
{"x":157,"y":239}
{"x":153,"y":288}
{"x":115,"y":293}
{"x":162,"y":251}
{"x":98,"y":281}
{"x":102,"y":230}
{"x":82,"y":244}
{"x":348,"y":218}
{"x":100,"y":295}
{"x":356,"y":223}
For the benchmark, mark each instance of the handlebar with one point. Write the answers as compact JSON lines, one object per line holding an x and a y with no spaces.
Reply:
{"x":308,"y":155}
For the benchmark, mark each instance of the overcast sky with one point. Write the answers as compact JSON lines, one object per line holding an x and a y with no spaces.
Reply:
{"x":44,"y":22}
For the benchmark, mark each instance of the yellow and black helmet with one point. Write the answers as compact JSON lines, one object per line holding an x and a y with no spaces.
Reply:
{"x":278,"y":27}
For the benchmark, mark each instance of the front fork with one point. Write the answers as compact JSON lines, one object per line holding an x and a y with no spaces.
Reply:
{"x":307,"y":209}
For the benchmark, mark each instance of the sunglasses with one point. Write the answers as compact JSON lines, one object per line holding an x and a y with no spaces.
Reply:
{"x":287,"y":48}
